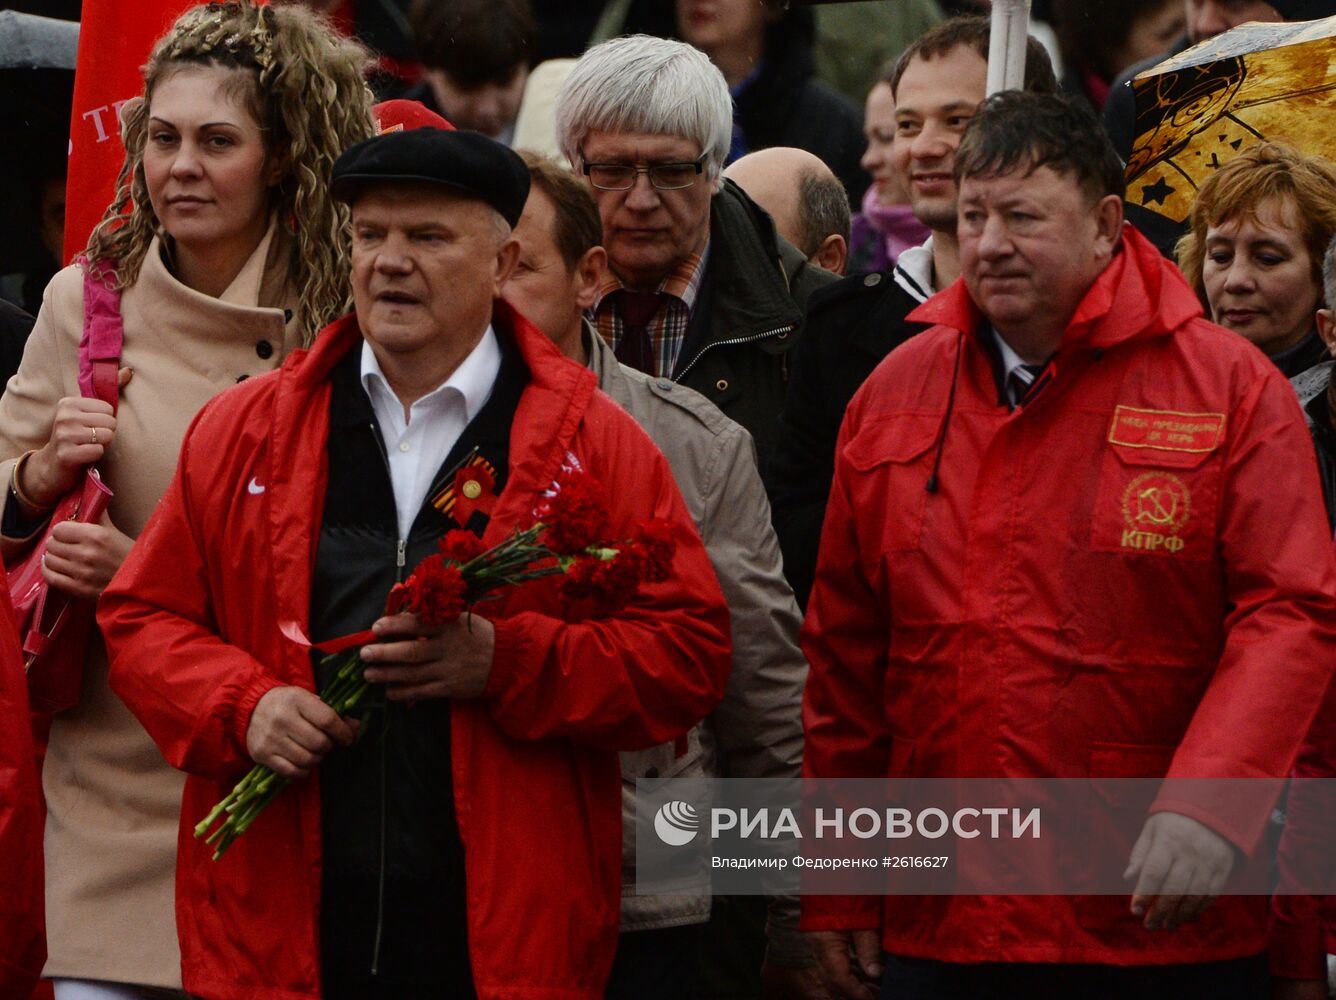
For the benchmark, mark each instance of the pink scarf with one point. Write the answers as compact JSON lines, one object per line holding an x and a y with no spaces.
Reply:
{"x":896,"y":224}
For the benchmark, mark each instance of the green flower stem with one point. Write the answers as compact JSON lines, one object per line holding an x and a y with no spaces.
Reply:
{"x":261,"y":785}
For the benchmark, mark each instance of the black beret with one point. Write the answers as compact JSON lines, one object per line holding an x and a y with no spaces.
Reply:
{"x":466,"y":161}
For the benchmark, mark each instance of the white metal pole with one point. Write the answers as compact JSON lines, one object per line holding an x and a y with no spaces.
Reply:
{"x":1006,"y":46}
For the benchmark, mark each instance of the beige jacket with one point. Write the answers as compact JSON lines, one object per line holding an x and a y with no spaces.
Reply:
{"x":757,"y":731}
{"x":112,"y":801}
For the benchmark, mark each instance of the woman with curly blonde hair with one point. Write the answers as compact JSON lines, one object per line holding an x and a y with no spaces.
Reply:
{"x":228,"y":253}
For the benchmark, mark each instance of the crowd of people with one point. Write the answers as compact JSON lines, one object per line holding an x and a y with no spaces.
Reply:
{"x":962,"y":476}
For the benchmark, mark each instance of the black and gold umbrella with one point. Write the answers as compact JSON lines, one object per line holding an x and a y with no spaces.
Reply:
{"x":1201,"y":108}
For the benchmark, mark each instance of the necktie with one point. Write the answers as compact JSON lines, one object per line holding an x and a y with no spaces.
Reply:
{"x":635,"y":349}
{"x":1019,"y":381}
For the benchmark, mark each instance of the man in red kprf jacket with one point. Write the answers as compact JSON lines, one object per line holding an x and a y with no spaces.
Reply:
{"x":1074,"y":532}
{"x":470,"y":845}
{"x":22,"y":938}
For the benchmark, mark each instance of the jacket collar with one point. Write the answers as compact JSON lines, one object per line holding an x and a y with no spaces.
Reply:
{"x":1313,"y":382}
{"x":746,"y":291}
{"x":252,"y":305}
{"x":1140,"y":294}
{"x":913,"y":271}
{"x":602,"y":361}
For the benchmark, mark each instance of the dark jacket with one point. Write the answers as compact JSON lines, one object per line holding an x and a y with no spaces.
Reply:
{"x":850,"y":327}
{"x":748,"y":316}
{"x":786,"y":106}
{"x":1304,"y":355}
{"x":1312,"y":388}
{"x":15,"y":325}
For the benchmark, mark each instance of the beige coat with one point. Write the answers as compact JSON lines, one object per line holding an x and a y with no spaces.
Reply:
{"x":113,"y":803}
{"x":757,"y":731}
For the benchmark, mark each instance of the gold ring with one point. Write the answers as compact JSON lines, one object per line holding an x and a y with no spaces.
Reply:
{"x":94,"y":430}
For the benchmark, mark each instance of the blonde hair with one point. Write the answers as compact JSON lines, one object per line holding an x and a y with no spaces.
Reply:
{"x":310,"y":99}
{"x":1268,"y":172}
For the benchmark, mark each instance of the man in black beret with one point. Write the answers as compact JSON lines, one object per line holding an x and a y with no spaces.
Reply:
{"x":463,"y":837}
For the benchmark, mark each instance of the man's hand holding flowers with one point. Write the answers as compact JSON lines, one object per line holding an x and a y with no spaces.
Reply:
{"x":292,"y":729}
{"x":417,"y":661}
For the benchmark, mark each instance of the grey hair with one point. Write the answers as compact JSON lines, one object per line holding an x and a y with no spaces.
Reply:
{"x":639,"y":83}
{"x":1329,"y":274}
{"x":502,"y":227}
{"x":823,"y":210}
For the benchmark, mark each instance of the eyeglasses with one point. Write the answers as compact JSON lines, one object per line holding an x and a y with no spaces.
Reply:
{"x":662,"y":176}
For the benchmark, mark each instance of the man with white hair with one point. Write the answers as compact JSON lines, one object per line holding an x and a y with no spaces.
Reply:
{"x":701,"y":289}
{"x":803,"y":196}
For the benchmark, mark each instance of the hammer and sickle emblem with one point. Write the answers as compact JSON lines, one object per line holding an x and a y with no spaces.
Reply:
{"x":1157,"y":506}
{"x":1157,"y":502}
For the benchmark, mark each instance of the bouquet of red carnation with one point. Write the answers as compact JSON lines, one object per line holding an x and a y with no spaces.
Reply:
{"x":568,"y":537}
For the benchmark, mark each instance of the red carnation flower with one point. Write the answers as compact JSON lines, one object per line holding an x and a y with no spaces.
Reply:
{"x":438,"y":591}
{"x":655,"y":537}
{"x":461,"y":546}
{"x":609,"y":583}
{"x":579,"y":579}
{"x":576,"y":517}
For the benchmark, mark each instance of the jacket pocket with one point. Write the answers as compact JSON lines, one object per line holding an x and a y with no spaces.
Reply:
{"x":1114,"y":817}
{"x":1157,"y":503}
{"x":892,"y":462}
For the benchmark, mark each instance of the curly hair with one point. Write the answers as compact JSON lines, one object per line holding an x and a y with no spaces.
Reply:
{"x":1268,"y":172}
{"x":308,"y":95}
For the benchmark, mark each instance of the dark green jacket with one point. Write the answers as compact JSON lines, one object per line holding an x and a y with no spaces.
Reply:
{"x":748,"y":316}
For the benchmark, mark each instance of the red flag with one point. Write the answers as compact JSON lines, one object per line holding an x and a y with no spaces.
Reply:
{"x":115,"y":39}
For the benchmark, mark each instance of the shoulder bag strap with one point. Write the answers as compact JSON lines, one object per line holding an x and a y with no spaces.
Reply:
{"x":103,"y":334}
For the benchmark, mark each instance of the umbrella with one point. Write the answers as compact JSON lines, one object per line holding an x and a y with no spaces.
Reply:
{"x":1204,"y":106}
{"x":36,"y":91}
{"x":28,"y":41}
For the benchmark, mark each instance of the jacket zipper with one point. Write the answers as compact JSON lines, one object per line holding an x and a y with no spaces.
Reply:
{"x":400,"y":560}
{"x":726,"y":343}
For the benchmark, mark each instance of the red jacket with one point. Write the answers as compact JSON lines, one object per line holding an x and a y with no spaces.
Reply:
{"x":1037,"y":617}
{"x":192,"y":625}
{"x":22,"y":910}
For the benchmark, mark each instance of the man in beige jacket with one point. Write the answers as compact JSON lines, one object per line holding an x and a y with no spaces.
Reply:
{"x":757,"y":731}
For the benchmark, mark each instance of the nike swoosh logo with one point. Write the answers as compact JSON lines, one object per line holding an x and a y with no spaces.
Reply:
{"x":254,"y":488}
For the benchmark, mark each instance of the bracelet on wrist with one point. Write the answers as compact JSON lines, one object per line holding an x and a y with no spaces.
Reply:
{"x":15,"y":479}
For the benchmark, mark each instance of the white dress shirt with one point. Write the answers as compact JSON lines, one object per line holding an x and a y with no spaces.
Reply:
{"x":417,"y":447}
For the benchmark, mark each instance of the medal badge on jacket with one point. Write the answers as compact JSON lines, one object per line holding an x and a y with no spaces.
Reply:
{"x":473,"y":488}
